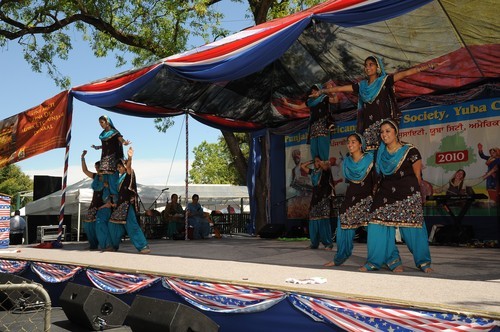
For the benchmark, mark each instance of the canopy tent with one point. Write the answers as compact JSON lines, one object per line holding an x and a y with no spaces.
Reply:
{"x":237,"y":83}
{"x":79,"y":196}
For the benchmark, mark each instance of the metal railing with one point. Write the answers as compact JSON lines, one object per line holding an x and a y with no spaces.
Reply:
{"x":231,"y":223}
{"x":24,"y":307}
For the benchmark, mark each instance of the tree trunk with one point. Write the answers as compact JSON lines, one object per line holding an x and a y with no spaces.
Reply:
{"x":240,"y":162}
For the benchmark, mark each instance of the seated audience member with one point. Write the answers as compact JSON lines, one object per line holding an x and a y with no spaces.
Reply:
{"x":198,"y":219}
{"x":173,"y":216}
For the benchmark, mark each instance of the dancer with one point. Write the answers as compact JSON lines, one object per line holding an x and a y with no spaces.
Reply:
{"x":320,"y":208}
{"x":96,"y":222}
{"x":320,"y":120}
{"x":376,"y":101}
{"x":397,"y":202}
{"x":354,"y":211}
{"x":124,"y":217}
{"x":111,"y":144}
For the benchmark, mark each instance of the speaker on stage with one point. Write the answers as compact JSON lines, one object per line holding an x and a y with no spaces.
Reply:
{"x":149,"y":314}
{"x":44,"y":185}
{"x":272,"y":231}
{"x":92,"y":308}
{"x":16,"y":299}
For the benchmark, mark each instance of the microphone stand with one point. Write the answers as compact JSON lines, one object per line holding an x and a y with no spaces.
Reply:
{"x":154,"y":203}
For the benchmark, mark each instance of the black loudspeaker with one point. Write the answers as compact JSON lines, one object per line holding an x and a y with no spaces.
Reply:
{"x":16,"y":299}
{"x":92,"y":308}
{"x":148,"y":314}
{"x":454,"y":234}
{"x":272,"y":231}
{"x":44,"y":185}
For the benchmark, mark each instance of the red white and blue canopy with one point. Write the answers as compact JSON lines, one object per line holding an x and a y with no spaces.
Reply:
{"x":237,"y":83}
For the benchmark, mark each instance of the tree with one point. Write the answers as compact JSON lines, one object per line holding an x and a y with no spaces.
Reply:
{"x":213,"y":163}
{"x":14,"y":181}
{"x":148,"y":29}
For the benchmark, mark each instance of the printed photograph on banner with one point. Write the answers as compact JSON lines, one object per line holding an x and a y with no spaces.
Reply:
{"x":459,"y":144}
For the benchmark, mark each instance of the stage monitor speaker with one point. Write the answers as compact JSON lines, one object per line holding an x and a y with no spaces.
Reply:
{"x":272,"y":231}
{"x":92,"y":308}
{"x":33,"y":221}
{"x":148,"y":314}
{"x":44,"y":185}
{"x":454,"y":234}
{"x":17,"y":299}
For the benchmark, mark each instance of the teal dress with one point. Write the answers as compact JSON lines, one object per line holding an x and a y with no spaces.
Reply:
{"x":397,"y":203}
{"x":124,"y":216}
{"x":96,"y":221}
{"x":320,"y":208}
{"x":354,"y":211}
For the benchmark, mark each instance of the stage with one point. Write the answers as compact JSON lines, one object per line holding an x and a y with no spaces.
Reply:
{"x":466,"y":281}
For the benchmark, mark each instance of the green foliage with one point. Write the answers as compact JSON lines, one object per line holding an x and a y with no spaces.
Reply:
{"x":13,"y":181}
{"x":454,"y":142}
{"x":148,"y":30}
{"x":213,"y":163}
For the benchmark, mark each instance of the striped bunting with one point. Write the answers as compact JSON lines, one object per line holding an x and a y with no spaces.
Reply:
{"x":54,"y":273}
{"x":120,"y":283}
{"x":4,"y":221}
{"x":363,"y":317}
{"x":224,"y":298}
{"x":13,"y":267}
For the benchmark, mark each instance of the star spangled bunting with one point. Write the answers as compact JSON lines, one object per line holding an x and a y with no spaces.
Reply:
{"x":224,"y":298}
{"x":55,"y":273}
{"x":13,"y":267}
{"x":120,"y":283}
{"x":363,"y":317}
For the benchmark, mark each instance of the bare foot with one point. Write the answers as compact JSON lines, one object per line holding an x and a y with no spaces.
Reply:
{"x":329,"y":264}
{"x":428,"y":270}
{"x":363,"y":269}
{"x":398,"y":269}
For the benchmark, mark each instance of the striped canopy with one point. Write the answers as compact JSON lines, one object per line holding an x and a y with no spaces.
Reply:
{"x":238,"y":83}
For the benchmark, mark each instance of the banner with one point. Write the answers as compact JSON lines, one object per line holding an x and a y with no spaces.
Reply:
{"x":449,"y":137}
{"x":4,"y":221}
{"x":37,"y":130}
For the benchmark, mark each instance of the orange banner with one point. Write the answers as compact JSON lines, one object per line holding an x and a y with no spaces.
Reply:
{"x":39,"y":129}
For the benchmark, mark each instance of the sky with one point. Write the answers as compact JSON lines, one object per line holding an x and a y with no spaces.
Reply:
{"x":159,"y":158}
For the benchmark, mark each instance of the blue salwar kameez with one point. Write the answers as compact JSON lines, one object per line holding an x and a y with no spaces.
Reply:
{"x":397,"y":203}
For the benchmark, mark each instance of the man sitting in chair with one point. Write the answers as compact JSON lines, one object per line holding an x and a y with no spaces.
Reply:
{"x":198,"y":219}
{"x":173,"y":216}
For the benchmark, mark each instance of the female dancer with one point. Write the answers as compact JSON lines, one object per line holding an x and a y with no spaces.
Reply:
{"x":320,"y":207}
{"x":96,"y":223}
{"x":397,"y":202}
{"x":354,"y":211}
{"x":320,"y":120}
{"x":111,"y":145}
{"x":377,"y":100}
{"x":124,"y":216}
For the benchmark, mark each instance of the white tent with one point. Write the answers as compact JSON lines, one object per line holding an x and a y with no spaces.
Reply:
{"x":79,"y":196}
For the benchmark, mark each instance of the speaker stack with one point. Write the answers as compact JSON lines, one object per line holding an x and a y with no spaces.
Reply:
{"x":92,"y":308}
{"x":149,"y":314}
{"x":272,"y":231}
